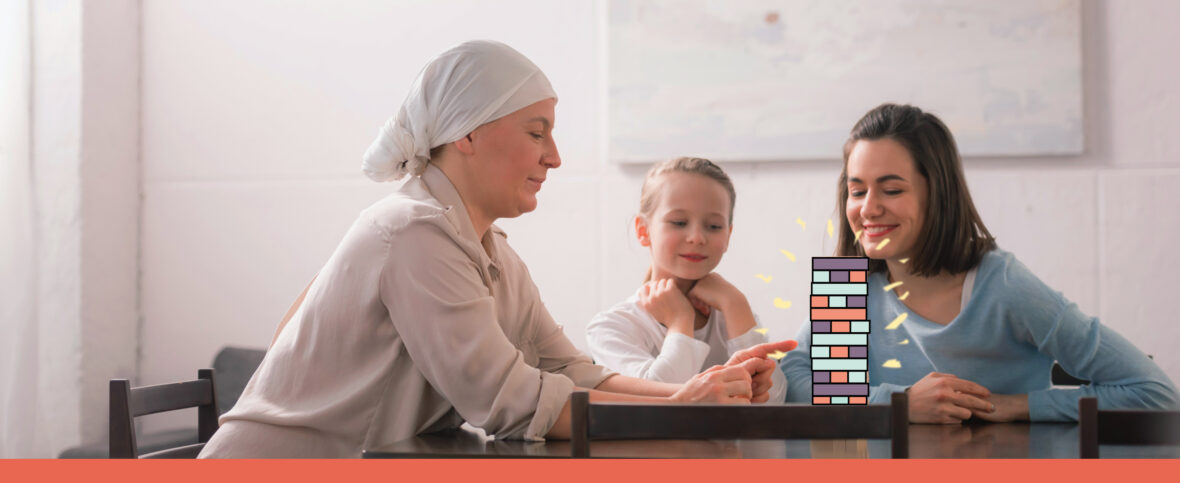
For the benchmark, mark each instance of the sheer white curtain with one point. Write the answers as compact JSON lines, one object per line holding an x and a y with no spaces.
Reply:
{"x":18,"y":330}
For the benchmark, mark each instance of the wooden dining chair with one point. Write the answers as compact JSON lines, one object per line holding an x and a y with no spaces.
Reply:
{"x":1123,"y":426}
{"x":128,"y":403}
{"x":602,"y":421}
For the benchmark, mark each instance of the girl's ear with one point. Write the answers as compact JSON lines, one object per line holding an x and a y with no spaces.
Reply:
{"x":464,"y":144}
{"x":641,"y":231}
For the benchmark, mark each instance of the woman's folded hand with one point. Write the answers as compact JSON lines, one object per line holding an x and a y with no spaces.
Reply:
{"x":728,"y":384}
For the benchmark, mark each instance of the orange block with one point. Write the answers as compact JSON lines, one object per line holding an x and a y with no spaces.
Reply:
{"x":857,"y":276}
{"x":838,"y":314}
{"x":839,"y":352}
{"x":819,"y":301}
{"x":838,"y":326}
{"x":821,"y":400}
{"x":858,"y":400}
{"x":839,"y":377}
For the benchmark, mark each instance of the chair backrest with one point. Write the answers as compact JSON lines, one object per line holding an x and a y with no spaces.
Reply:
{"x":234,"y":367}
{"x":128,"y":403}
{"x":599,"y":421}
{"x":1059,"y":377}
{"x":1123,"y":426}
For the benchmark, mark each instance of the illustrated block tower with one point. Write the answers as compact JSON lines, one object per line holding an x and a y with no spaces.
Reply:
{"x":839,"y":330}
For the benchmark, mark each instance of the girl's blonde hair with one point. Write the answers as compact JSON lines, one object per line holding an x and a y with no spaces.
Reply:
{"x":649,"y":194}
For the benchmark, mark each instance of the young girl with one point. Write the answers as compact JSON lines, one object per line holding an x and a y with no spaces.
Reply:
{"x":685,"y":318}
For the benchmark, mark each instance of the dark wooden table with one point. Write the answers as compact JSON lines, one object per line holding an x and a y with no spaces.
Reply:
{"x":970,"y":440}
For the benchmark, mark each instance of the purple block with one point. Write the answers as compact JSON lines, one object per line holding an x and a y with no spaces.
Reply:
{"x":820,"y":376}
{"x":858,"y":352}
{"x":839,"y":263}
{"x":821,"y":327}
{"x":855,"y":301}
{"x":838,"y":277}
{"x":839,"y":389}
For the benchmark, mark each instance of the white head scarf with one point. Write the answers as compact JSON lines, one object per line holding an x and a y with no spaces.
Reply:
{"x":463,"y":88}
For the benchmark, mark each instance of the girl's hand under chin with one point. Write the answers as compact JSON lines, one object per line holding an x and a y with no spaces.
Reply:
{"x":715,"y":292}
{"x":664,"y":301}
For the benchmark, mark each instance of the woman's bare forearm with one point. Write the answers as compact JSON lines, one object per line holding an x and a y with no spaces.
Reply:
{"x":624,"y":385}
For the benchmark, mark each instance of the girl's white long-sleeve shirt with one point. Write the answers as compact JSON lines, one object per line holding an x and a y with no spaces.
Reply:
{"x":629,"y":340}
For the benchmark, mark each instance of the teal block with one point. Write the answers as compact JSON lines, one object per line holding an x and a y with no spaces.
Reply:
{"x":819,"y":351}
{"x":860,"y":326}
{"x":837,"y":302}
{"x":839,"y":289}
{"x":819,"y":276}
{"x":856,"y":376}
{"x":839,"y":400}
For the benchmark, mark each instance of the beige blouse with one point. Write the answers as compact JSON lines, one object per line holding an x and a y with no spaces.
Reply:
{"x":414,"y":325}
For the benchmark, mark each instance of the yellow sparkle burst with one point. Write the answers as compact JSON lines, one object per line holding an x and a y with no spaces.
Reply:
{"x":762,"y":330}
{"x":776,"y":355}
{"x":858,"y":232}
{"x":904,"y":295}
{"x":883,"y":243}
{"x":802,"y":224}
{"x":897,"y":322}
{"x":904,"y":342}
{"x":790,"y":256}
{"x":764,"y":278}
{"x":892,"y":286}
{"x":782,"y":304}
{"x":904,"y":260}
{"x":892,"y":364}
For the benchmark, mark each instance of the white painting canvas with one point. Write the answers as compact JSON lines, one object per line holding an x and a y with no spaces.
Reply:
{"x":768,"y":80}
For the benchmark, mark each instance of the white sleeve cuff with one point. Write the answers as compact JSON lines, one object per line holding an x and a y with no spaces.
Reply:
{"x":750,"y":339}
{"x":682,"y":357}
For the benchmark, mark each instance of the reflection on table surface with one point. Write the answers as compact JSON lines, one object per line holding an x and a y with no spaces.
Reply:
{"x":969,"y":440}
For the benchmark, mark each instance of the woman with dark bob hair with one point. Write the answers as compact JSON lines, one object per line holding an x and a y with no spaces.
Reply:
{"x":965,"y":329}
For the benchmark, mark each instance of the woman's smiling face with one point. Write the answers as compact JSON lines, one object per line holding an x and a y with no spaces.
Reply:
{"x":886,"y":198}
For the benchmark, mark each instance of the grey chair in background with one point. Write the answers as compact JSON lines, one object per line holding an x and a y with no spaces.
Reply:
{"x":1059,"y":377}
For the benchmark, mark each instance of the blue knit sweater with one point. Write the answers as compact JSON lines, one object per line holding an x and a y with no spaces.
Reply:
{"x":1005,"y":338}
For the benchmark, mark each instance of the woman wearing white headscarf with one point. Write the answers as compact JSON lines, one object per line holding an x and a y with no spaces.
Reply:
{"x":424,"y":317}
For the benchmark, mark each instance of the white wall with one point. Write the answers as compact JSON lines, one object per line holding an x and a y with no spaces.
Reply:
{"x":109,"y":207}
{"x":255,"y":114}
{"x":17,"y":280}
{"x":56,"y":198}
{"x":70,"y":218}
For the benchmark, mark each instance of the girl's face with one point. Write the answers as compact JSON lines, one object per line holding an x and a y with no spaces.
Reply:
{"x":689,"y":229}
{"x":886,"y":198}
